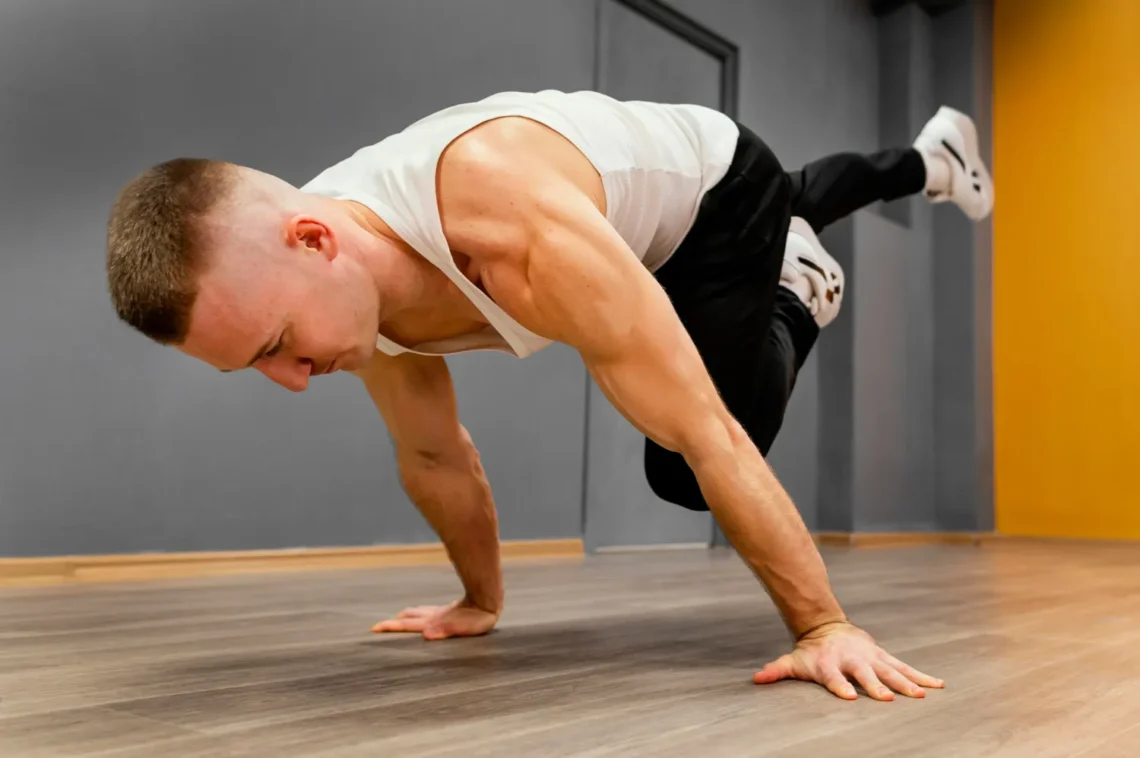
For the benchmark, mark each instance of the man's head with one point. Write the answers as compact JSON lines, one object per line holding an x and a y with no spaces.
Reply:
{"x":239,"y":268}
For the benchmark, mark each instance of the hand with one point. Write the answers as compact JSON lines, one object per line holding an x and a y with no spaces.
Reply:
{"x":834,"y":652}
{"x":438,"y":622}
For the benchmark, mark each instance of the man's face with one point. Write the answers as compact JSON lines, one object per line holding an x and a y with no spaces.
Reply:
{"x":292,"y":310}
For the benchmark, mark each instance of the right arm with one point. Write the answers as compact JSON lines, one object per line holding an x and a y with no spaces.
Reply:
{"x":440,"y":468}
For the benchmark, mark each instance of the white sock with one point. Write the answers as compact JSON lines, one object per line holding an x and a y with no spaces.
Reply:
{"x":802,"y":289}
{"x":937,"y":173}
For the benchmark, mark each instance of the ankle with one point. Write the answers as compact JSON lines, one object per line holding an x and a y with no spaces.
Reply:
{"x":937,"y":172}
{"x":801,"y":288}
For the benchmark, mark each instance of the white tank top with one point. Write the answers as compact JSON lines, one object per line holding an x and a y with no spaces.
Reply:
{"x":656,"y":162}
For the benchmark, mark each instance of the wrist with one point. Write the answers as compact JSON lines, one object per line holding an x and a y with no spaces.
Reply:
{"x":491,"y":603}
{"x":821,"y":627}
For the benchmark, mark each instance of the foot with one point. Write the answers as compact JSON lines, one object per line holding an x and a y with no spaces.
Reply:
{"x":811,"y":273}
{"x":951,"y":137}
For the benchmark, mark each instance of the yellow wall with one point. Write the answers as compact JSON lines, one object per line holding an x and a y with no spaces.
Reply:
{"x":1067,"y":267}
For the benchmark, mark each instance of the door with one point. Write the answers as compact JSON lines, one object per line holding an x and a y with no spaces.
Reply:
{"x":639,"y":59}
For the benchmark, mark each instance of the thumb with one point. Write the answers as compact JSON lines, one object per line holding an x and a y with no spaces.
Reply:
{"x":781,"y":668}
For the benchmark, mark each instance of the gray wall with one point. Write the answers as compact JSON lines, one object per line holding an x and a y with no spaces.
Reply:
{"x":639,"y":60}
{"x":907,"y":433}
{"x":111,"y":444}
{"x":809,"y":85}
{"x":893,"y":377}
{"x":963,"y":254}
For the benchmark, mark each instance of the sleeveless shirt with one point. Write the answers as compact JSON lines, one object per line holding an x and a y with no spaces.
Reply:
{"x":656,"y":162}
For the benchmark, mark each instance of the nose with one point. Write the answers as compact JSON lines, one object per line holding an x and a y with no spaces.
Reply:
{"x":291,"y":373}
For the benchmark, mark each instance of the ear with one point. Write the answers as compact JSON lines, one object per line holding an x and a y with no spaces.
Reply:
{"x":309,"y":234}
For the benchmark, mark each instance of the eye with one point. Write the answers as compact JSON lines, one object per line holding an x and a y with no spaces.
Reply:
{"x":276,"y":348}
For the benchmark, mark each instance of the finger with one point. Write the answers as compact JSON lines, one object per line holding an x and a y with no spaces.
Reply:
{"x":897,"y":682}
{"x":400,"y":625}
{"x":833,"y":679}
{"x":774,"y":671}
{"x":914,"y":675}
{"x":865,"y":675}
{"x":415,"y":613}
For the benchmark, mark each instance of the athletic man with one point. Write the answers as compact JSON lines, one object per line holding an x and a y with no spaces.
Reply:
{"x":652,"y":238}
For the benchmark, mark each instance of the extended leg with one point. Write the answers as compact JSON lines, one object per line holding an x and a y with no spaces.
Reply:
{"x":835,"y":186}
{"x":945,"y":163}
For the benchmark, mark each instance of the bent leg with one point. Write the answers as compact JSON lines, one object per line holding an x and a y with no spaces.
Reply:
{"x":791,"y":335}
{"x":790,"y":340}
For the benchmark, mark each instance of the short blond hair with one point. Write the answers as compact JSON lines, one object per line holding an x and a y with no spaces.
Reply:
{"x":156,"y":243}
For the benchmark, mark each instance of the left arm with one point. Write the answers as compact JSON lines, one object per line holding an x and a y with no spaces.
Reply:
{"x":577,"y":282}
{"x":552,"y":261}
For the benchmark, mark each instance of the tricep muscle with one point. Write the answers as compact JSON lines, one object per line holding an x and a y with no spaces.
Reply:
{"x":579,"y":283}
{"x":552,"y":261}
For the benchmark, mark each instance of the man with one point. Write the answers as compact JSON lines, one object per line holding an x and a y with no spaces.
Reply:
{"x":664,"y":242}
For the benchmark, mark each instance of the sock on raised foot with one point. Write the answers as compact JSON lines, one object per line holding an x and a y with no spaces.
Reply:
{"x":801,"y":287}
{"x":937,"y":173}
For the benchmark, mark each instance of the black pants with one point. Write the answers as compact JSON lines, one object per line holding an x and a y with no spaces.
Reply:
{"x":723,"y":281}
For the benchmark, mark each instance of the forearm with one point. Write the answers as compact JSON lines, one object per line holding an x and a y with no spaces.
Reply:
{"x":454,"y":496}
{"x":764,"y":526}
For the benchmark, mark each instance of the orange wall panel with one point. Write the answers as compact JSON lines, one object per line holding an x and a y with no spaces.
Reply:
{"x":1067,"y":267}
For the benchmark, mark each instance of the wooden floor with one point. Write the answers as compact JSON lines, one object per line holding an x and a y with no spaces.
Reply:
{"x":632,"y":654}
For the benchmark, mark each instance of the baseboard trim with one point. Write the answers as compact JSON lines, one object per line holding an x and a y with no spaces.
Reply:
{"x":145,"y":566}
{"x":902,"y":539}
{"x":665,"y":547}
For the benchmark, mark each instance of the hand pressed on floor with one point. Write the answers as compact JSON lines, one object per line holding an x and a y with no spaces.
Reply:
{"x":438,"y":622}
{"x":836,"y":653}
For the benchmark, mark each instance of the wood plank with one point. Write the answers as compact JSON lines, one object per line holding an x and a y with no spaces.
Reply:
{"x":82,"y":731}
{"x":1047,"y":712}
{"x":199,"y":669}
{"x":364,"y":730}
{"x":1126,"y":744}
{"x":630,"y":654}
{"x":198,"y":746}
{"x":740,"y":718}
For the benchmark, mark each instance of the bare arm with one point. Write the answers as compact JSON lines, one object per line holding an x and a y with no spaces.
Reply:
{"x":532,"y":217}
{"x":578,"y":282}
{"x":440,"y":467}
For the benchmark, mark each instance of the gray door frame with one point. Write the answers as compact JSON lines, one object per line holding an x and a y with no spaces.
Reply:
{"x":728,"y":55}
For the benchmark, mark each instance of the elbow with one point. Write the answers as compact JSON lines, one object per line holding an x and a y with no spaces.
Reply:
{"x":715,"y":444}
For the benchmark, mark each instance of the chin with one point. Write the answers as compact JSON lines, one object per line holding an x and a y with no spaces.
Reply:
{"x":354,"y":359}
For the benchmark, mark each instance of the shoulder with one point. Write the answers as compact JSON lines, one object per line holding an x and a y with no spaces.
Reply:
{"x":499,"y":144}
{"x":498,"y":183}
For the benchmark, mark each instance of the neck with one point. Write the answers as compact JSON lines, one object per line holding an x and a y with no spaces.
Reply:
{"x":403,"y":278}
